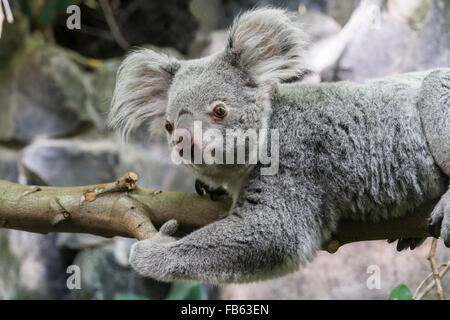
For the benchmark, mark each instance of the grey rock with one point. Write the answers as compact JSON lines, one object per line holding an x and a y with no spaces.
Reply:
{"x":42,"y":94}
{"x":395,"y":47}
{"x":377,"y":52}
{"x":69,"y":162}
{"x":99,"y":87}
{"x":9,"y":160}
{"x":318,"y":25}
{"x":104,"y":277}
{"x":78,"y":241}
{"x":72,"y":162}
{"x":31,"y":266}
{"x":433,"y":45}
{"x":47,"y":91}
{"x":322,"y":30}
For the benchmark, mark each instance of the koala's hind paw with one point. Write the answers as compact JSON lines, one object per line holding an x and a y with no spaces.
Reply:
{"x":202,"y":189}
{"x":439,"y":223}
{"x":411,"y":243}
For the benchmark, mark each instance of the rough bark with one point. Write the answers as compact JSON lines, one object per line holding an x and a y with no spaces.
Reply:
{"x":121,"y":208}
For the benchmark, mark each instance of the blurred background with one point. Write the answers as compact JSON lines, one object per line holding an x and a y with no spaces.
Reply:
{"x":55,"y":88}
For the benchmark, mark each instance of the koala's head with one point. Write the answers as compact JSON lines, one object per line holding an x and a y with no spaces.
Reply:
{"x":227,"y":90}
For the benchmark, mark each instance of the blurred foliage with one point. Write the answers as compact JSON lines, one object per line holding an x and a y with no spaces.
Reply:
{"x":401,"y":292}
{"x":129,"y":296}
{"x":44,"y":12}
{"x":178,"y":291}
{"x":168,"y":23}
{"x":186,"y":291}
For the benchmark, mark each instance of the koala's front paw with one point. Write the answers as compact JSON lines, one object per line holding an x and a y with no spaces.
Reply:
{"x":439,"y":224}
{"x":202,"y":189}
{"x":151,"y":257}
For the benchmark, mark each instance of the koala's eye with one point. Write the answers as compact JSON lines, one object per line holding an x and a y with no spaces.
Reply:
{"x":220,"y":110}
{"x":168,"y":126}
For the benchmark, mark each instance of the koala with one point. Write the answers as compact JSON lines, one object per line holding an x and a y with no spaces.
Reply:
{"x":365,"y":152}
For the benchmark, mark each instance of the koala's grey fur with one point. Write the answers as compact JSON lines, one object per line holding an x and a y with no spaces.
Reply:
{"x":360,"y":151}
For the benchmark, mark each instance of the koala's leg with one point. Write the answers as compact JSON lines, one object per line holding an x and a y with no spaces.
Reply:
{"x":261,"y":237}
{"x":440,"y":219}
{"x":434,"y":108}
{"x":202,"y":188}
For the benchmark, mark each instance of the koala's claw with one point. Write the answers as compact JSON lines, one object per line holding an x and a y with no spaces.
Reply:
{"x":411,"y":243}
{"x":202,"y":189}
{"x":439,"y":223}
{"x":434,"y":227}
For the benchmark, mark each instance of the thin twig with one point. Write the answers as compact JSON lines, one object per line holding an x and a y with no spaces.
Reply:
{"x":420,"y":291}
{"x":441,"y":275}
{"x":113,"y":26}
{"x":434,"y":269}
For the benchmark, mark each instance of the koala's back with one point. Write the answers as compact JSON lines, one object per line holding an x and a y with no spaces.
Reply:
{"x":361,"y":147}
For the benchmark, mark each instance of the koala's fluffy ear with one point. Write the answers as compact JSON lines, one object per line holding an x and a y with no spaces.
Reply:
{"x":142,"y":85}
{"x":267,"y":44}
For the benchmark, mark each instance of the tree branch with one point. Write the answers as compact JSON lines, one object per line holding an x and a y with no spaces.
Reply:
{"x":114,"y":209}
{"x":122,"y":209}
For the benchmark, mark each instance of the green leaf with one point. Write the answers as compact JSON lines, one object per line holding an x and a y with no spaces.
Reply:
{"x":186,"y":291}
{"x":401,"y":292}
{"x":129,"y":296}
